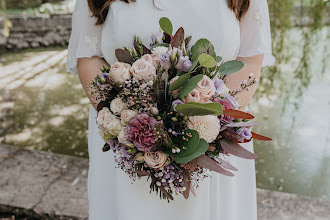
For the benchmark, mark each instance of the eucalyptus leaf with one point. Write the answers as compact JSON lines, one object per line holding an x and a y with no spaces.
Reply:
{"x":190,"y":145}
{"x":166,"y":25}
{"x":190,"y":85}
{"x":219,"y":59}
{"x":201,"y":149}
{"x":180,"y":82}
{"x":206,"y":60}
{"x":193,"y":109}
{"x":202,"y":46}
{"x":230,"y":67}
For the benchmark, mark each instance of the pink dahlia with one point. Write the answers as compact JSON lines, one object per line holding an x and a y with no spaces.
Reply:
{"x":141,"y":132}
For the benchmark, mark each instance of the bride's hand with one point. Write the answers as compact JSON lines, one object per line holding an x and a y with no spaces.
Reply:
{"x":88,"y":69}
{"x":251,"y":65}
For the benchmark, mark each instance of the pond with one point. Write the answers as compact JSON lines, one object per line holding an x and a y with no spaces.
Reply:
{"x":43,"y":107}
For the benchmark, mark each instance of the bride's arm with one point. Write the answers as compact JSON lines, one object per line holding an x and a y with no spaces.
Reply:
{"x":88,"y":69}
{"x":251,"y":65}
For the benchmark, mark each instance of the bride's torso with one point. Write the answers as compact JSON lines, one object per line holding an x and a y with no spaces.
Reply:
{"x":211,"y":19}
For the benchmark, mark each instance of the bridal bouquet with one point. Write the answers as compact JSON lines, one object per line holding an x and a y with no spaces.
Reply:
{"x":166,"y":113}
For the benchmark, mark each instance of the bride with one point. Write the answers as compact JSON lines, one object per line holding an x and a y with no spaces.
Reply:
{"x":238,"y":29}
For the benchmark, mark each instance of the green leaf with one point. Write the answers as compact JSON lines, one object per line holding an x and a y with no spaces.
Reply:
{"x":201,"y":149}
{"x":159,"y":45}
{"x":166,"y":25}
{"x":190,"y":85}
{"x":193,"y":109}
{"x":230,"y":67}
{"x":219,"y":59}
{"x":202,"y":46}
{"x":180,"y":82}
{"x":191,"y":144}
{"x":206,"y":60}
{"x":194,"y":64}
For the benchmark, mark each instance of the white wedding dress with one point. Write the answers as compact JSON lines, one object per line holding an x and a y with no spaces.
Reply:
{"x":112,"y":196}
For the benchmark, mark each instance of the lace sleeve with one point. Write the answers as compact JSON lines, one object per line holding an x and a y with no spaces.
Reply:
{"x":255,"y":33}
{"x":85,"y":36}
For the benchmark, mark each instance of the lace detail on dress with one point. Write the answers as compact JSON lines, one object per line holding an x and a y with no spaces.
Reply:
{"x":260,"y":16}
{"x":92,"y":41}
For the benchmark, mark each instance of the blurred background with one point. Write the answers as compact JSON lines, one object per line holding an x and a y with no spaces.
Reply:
{"x":44,"y":108}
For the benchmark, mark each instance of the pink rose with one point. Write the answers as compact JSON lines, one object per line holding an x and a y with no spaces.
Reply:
{"x":143,"y":70}
{"x":206,"y":88}
{"x":119,"y":72}
{"x":193,"y":96}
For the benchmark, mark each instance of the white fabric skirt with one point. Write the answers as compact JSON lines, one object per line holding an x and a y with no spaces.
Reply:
{"x":113,"y":196}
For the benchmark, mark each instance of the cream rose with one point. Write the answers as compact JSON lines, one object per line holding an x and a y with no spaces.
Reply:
{"x":112,"y":126}
{"x":193,"y":96}
{"x":150,"y":59}
{"x":208,"y":126}
{"x":119,"y":72}
{"x":143,"y":70}
{"x":102,"y":115}
{"x":117,"y":106}
{"x":122,"y":137}
{"x":206,"y":88}
{"x":155,"y":159}
{"x":127,"y":115}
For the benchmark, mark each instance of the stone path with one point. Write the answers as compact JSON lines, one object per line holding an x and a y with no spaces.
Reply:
{"x":41,"y":183}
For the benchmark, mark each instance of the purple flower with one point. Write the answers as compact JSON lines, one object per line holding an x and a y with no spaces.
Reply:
{"x":141,"y":132}
{"x":183,"y":63}
{"x":157,"y":36}
{"x":124,"y":153}
{"x":114,"y":144}
{"x":245,"y":134}
{"x":232,"y":101}
{"x":165,"y":61}
{"x":219,"y":86}
{"x":176,"y":102}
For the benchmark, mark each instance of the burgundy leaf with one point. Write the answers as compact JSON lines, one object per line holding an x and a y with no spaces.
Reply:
{"x":208,"y":163}
{"x":230,"y":134}
{"x":243,"y":124}
{"x":227,"y":165}
{"x":193,"y":164}
{"x":167,"y":38}
{"x":187,"y":184}
{"x":165,"y":192}
{"x":178,"y":38}
{"x":260,"y":137}
{"x":136,"y":46}
{"x":235,"y":149}
{"x":146,"y":50}
{"x":124,"y":56}
{"x":101,"y":105}
{"x":141,"y":173}
{"x":237,"y":114}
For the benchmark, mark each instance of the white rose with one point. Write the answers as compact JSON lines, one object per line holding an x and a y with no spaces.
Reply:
{"x":117,"y":106}
{"x":127,"y":115}
{"x":159,"y":50}
{"x":112,"y":125}
{"x":208,"y":126}
{"x":102,"y":115}
{"x":193,"y":96}
{"x":119,"y":72}
{"x":206,"y":88}
{"x":155,"y":159}
{"x":143,"y":70}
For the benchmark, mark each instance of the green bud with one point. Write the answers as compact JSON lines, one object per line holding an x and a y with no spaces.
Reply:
{"x":185,"y":118}
{"x":126,"y":48}
{"x":101,"y":80}
{"x":159,"y":118}
{"x":175,"y":119}
{"x":178,"y":54}
{"x":173,"y":55}
{"x":139,"y":40}
{"x":134,"y":53}
{"x":130,"y":150}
